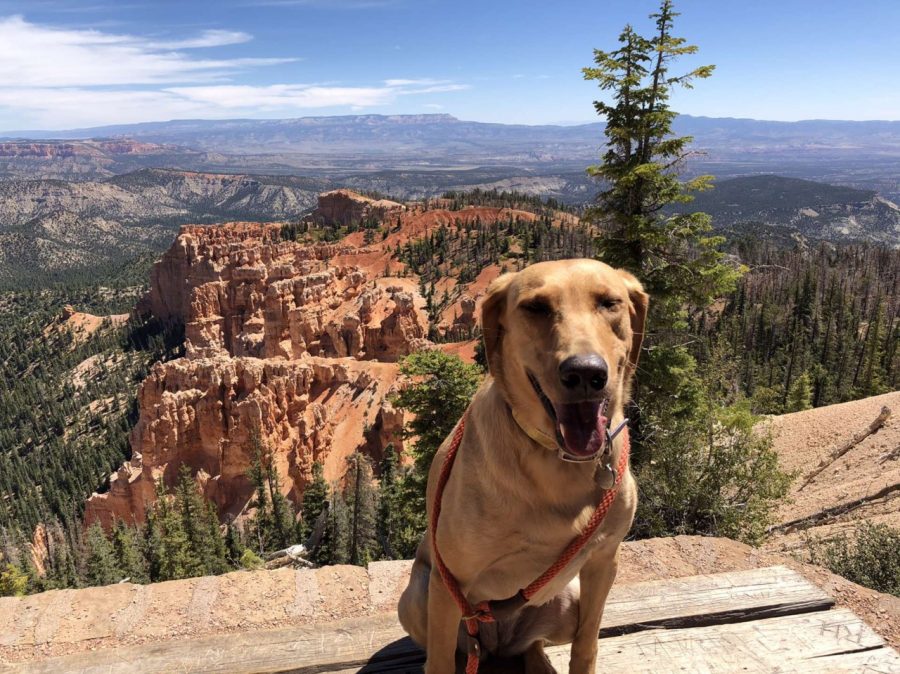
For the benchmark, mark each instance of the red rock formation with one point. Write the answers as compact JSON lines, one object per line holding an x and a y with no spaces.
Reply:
{"x":275,"y":337}
{"x":87,"y":148}
{"x":239,"y":289}
{"x":282,"y":340}
{"x":39,"y":550}
{"x":343,"y":207}
{"x":205,"y":412}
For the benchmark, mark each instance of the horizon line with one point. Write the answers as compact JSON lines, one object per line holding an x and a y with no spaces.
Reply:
{"x":17,"y":133}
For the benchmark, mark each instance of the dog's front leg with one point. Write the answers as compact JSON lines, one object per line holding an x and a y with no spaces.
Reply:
{"x":443,"y":627}
{"x":596,"y":578}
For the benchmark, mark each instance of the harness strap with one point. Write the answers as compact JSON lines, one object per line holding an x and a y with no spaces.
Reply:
{"x":489,"y":611}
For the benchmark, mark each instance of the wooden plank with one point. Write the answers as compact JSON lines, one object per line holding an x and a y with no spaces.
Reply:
{"x":711,"y":600}
{"x":690,"y":601}
{"x":825,"y":641}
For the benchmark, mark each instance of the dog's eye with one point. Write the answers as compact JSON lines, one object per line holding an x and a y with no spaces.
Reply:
{"x":537,"y":308}
{"x":608,"y":303}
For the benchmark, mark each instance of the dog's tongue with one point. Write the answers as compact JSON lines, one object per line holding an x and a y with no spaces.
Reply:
{"x":582,"y":426}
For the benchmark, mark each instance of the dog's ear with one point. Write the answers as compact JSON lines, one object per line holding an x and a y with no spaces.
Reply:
{"x":639,"y":301}
{"x":491,"y":328}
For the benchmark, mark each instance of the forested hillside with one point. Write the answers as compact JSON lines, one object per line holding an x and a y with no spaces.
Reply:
{"x":67,"y":400}
{"x":811,"y":327}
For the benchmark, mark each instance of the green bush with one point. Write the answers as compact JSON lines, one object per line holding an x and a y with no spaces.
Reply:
{"x":722,"y":480}
{"x":251,"y":561}
{"x":13,"y":581}
{"x":869,"y":557}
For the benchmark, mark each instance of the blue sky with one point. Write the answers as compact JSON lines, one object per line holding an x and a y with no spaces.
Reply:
{"x":68,"y":63}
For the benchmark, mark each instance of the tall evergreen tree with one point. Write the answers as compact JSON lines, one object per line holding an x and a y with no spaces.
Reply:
{"x":682,"y":267}
{"x":13,"y":580}
{"x":333,"y":548}
{"x":437,"y":398}
{"x":315,"y":499}
{"x":172,"y":552}
{"x":800,"y":394}
{"x":129,"y":554}
{"x":389,"y":519}
{"x":361,"y":499}
{"x":205,"y":547}
{"x":101,"y":566}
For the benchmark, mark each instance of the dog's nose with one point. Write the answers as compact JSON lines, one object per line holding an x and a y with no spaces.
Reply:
{"x":584,"y":374}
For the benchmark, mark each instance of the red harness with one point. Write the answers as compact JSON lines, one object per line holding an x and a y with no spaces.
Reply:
{"x":489,"y":611}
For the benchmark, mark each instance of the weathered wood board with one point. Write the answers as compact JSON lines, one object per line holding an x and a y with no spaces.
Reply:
{"x":809,"y":642}
{"x":741,"y":621}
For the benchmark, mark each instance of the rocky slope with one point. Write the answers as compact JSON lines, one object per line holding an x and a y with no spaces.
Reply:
{"x":775,"y":205}
{"x":54,"y":225}
{"x":294,"y":344}
{"x":863,"y":484}
{"x":83,"y":159}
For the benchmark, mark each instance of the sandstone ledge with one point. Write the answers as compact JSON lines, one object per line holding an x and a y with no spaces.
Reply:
{"x":69,"y":621}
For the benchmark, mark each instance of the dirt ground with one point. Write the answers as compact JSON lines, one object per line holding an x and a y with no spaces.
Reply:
{"x":804,"y":439}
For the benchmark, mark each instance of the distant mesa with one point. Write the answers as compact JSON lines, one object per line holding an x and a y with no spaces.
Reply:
{"x":343,"y":207}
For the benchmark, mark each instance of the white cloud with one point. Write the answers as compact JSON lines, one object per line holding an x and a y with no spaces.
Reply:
{"x":73,"y":107}
{"x":285,"y":96}
{"x":208,"y":38}
{"x":327,"y":4}
{"x":32,"y":55}
{"x":56,"y":78}
{"x":419,"y":82}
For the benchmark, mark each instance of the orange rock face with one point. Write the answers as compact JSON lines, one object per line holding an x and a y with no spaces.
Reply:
{"x":294,"y":345}
{"x":276,"y":339}
{"x":208,"y":412}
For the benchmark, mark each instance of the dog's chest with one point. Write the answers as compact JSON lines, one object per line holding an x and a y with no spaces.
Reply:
{"x":507,"y":554}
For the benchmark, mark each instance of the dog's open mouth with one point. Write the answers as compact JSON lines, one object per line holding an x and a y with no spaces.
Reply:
{"x":581,"y":426}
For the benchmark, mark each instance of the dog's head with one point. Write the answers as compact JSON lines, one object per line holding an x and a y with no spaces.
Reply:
{"x":562,"y":341}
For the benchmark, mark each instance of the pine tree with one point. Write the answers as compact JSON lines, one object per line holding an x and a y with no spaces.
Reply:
{"x":259,"y":528}
{"x":234,"y":546}
{"x":129,"y":556}
{"x":389,"y":520}
{"x":200,"y":524}
{"x":647,"y":229}
{"x":13,"y":580}
{"x":171,"y":556}
{"x":438,"y":397}
{"x":101,"y":566}
{"x":285,"y":528}
{"x":315,"y":499}
{"x":800,"y":394}
{"x":334,"y":546}
{"x":361,"y":500}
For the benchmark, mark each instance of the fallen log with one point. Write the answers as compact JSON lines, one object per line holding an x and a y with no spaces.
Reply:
{"x":294,"y":554}
{"x":832,"y":514}
{"x":880,"y":420}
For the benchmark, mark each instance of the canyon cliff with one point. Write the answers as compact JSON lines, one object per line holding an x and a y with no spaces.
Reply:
{"x":291,"y":349}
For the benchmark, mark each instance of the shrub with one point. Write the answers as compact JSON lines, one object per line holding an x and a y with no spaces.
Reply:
{"x":727,"y":484}
{"x":870,"y":557}
{"x":251,"y":561}
{"x":13,"y":581}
